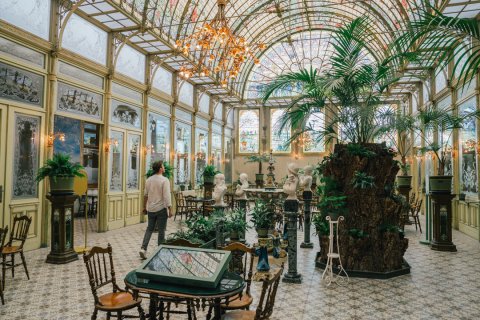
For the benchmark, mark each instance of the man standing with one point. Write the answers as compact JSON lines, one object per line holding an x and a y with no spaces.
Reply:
{"x":157,"y":204}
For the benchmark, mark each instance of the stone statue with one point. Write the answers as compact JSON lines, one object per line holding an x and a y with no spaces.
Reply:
{"x":219,"y":190}
{"x":240,"y":192}
{"x":291,"y":184}
{"x":306,"y":179}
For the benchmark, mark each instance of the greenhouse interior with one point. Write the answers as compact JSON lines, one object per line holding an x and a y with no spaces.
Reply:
{"x":239,"y":159}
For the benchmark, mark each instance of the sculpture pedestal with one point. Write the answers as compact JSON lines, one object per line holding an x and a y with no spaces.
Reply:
{"x":292,"y":275}
{"x":442,"y":222}
{"x":62,"y":229}
{"x":242,"y":204}
{"x":207,"y":190}
{"x":307,"y":198}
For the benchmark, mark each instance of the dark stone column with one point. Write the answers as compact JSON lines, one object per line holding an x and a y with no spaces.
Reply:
{"x":291,"y":212}
{"x":307,"y":199}
{"x":442,"y":221}
{"x":61,"y":250}
{"x":219,"y":229}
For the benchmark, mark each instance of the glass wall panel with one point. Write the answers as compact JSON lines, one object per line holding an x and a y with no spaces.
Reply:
{"x":72,"y":129}
{"x":16,"y":50}
{"x":201,"y":154}
{"x":20,"y":85}
{"x":447,"y":137}
{"x":86,"y":39}
{"x":279,"y":138}
{"x":183,"y":136}
{"x":126,"y":114}
{"x":163,"y":81}
{"x":204,"y":103}
{"x":217,"y":150}
{"x":313,"y":142}
{"x":218,"y":112}
{"x":228,"y":157}
{"x":133,"y":161}
{"x":31,"y":15}
{"x":468,"y":149}
{"x":131,"y":63}
{"x":440,"y":80}
{"x":79,"y":101}
{"x":248,"y":131}
{"x":116,"y":161}
{"x":26,"y":155}
{"x":158,"y":138}
{"x":186,"y":94}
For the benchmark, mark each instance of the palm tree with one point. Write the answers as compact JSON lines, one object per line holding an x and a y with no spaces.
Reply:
{"x":436,"y":40}
{"x":350,"y":93}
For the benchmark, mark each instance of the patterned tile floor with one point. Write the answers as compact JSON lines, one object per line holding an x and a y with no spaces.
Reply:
{"x":440,"y":286}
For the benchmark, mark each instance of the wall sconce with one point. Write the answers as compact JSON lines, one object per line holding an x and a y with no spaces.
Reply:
{"x":110,"y":142}
{"x":52,"y":136}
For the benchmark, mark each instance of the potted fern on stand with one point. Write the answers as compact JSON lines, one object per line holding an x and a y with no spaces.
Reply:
{"x":208,"y":176}
{"x":61,"y":173}
{"x":259,"y":181}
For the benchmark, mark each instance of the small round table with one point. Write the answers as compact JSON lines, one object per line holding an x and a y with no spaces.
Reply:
{"x":230,"y":285}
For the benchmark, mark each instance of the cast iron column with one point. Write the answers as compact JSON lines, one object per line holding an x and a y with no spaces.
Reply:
{"x":307,"y":199}
{"x":61,"y":250}
{"x":219,"y":228}
{"x":442,"y":221}
{"x":291,"y":211}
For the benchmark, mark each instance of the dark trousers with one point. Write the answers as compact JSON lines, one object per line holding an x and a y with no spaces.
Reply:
{"x":155,"y":218}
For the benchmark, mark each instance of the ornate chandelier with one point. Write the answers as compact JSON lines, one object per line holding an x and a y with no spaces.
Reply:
{"x":220,"y":50}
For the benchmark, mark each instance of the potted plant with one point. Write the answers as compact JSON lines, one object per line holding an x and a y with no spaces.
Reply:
{"x":61,"y":173}
{"x":209,"y":173}
{"x":236,"y":224}
{"x":262,"y":218}
{"x":443,"y":122}
{"x":259,"y":159}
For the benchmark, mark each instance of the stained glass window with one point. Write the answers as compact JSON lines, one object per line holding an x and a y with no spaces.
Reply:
{"x":158,"y":137}
{"x":201,"y":154}
{"x":183,"y":136}
{"x":468,"y":147}
{"x":279,"y":139}
{"x":131,"y":62}
{"x":31,"y":15}
{"x":313,"y":142}
{"x":248,"y":131}
{"x":86,"y":39}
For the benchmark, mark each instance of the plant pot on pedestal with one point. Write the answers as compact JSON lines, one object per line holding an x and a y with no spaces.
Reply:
{"x":404,"y":181}
{"x":61,"y":185}
{"x":262,"y":232}
{"x":440,"y":184}
{"x":259,"y":180}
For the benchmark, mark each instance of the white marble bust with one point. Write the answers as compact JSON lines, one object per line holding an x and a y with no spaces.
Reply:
{"x":306,"y":179}
{"x":291,"y":184}
{"x":240,"y":192}
{"x":219,"y":190}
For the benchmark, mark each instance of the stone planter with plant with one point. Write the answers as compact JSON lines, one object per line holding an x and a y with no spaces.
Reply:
{"x":236,"y":224}
{"x":262,"y":218}
{"x":61,"y":172}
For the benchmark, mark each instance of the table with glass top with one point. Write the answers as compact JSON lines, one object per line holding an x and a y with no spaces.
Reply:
{"x":185,"y":274}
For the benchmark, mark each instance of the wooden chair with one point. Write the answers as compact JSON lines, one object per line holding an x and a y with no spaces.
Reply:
{"x":99,"y":263}
{"x":190,"y":205}
{"x":18,"y":236}
{"x":3,"y":236}
{"x":241,"y":264}
{"x":180,"y":208}
{"x":415,"y":211}
{"x":265,"y":305}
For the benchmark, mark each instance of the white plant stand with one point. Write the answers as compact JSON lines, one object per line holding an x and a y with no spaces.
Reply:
{"x":329,"y":276}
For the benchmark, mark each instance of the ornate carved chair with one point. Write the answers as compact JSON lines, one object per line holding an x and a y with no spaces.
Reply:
{"x":265,"y":305}
{"x":3,"y":235}
{"x":241,"y":264}
{"x":99,"y":263}
{"x":18,"y":236}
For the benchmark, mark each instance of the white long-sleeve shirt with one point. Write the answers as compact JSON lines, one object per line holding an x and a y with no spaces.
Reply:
{"x":157,"y":189}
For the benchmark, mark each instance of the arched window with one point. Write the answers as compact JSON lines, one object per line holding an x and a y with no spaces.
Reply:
{"x":185,"y":95}
{"x":30,"y":15}
{"x":248,"y":131}
{"x":163,"y":81}
{"x":131,"y":63}
{"x":204,"y":103}
{"x":313,"y":142}
{"x":279,"y":139}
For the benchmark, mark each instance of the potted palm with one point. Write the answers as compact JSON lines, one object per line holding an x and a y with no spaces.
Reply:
{"x":262,"y":218}
{"x":258,"y":159}
{"x":61,"y":173}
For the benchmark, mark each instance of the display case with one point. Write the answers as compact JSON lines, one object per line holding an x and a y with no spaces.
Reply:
{"x":195,"y":267}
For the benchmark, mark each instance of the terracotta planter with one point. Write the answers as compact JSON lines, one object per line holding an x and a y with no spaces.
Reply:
{"x":441,"y":184}
{"x":404,"y":181}
{"x":61,"y":185}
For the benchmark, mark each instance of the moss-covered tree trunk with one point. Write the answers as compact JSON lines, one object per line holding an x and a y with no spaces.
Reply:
{"x":368,"y":238}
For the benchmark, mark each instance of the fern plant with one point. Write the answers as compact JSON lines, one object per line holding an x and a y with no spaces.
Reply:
{"x":59,"y":166}
{"x":363,"y":181}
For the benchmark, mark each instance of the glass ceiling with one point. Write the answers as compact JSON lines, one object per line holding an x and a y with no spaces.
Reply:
{"x":272,"y":22}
